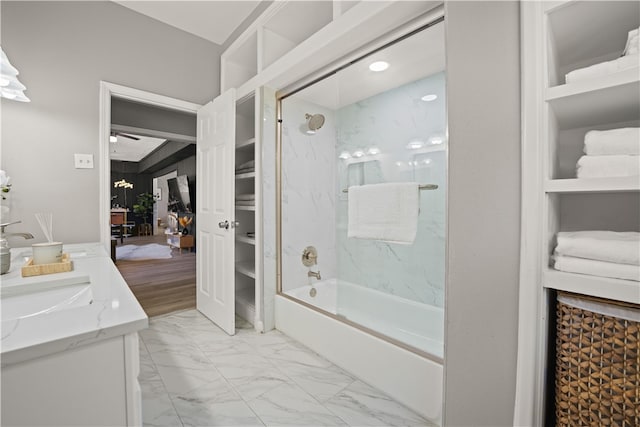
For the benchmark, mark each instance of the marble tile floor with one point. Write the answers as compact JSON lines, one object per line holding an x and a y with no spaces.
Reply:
{"x":193,"y":374}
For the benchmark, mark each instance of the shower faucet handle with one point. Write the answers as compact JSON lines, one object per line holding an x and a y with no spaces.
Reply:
{"x":309,"y":256}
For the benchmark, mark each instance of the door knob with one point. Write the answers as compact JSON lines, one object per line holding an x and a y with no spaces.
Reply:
{"x":224,"y":224}
{"x":234,"y":224}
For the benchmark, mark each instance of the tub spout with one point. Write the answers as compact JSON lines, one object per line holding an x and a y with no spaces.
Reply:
{"x":314,"y":274}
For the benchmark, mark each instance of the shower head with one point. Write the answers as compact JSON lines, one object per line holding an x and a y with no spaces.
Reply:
{"x":314,"y":122}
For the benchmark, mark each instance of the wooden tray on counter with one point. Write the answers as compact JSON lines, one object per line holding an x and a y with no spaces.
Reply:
{"x":65,"y":265}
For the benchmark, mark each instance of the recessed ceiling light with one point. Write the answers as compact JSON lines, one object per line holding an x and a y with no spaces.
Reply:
{"x":373,"y":151}
{"x":379,"y":66}
{"x":113,"y":138}
{"x":429,"y":98}
{"x":344,"y":155}
{"x":358,"y":153}
{"x":436,"y":140}
{"x":414,"y":145}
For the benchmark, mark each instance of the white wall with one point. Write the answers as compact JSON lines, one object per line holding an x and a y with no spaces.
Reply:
{"x":63,"y":50}
{"x":481,"y":303}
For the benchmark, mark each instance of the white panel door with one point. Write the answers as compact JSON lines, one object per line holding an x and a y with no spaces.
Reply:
{"x":215,"y":295}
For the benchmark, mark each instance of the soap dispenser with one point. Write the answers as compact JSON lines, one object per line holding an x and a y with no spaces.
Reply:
{"x":5,"y":249}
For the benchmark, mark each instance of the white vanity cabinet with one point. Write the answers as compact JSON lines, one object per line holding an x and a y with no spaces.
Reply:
{"x":70,"y":352}
{"x":95,"y":384}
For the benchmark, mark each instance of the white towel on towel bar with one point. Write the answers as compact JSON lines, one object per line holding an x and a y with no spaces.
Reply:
{"x":593,"y":267}
{"x":387,"y":212}
{"x":625,"y":141}
{"x":607,"y":166}
{"x":610,"y":246}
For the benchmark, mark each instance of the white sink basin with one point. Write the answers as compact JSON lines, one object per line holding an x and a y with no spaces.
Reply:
{"x":12,"y":284}
{"x":48,"y":301}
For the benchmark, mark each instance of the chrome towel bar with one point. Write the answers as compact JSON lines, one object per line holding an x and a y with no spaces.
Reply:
{"x":421,"y":187}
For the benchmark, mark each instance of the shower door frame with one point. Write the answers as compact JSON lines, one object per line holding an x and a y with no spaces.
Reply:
{"x":422,"y":23}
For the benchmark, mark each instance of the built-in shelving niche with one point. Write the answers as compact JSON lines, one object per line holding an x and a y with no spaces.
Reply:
{"x":240,"y":64}
{"x":279,"y":30}
{"x":572,"y":109}
{"x":245,"y":247}
{"x":560,"y":37}
{"x":581,"y":33}
{"x":292,"y":24}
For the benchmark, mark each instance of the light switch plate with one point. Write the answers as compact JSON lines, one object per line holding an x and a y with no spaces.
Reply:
{"x":83,"y":161}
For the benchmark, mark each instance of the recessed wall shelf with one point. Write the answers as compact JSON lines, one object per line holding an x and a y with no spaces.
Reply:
{"x":246,"y":175}
{"x":247,"y":268}
{"x":593,"y":185}
{"x":604,"y":287}
{"x":248,"y":144}
{"x":245,"y":208}
{"x":245,"y":297}
{"x":612,"y":98}
{"x":247,"y":240}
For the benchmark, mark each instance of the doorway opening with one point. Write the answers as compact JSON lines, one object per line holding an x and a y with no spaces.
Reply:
{"x":148,"y":179}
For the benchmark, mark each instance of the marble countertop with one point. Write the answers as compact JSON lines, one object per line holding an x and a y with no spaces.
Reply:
{"x":109,"y":308}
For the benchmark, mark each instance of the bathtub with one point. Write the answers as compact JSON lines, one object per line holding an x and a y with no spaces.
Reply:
{"x":410,"y":374}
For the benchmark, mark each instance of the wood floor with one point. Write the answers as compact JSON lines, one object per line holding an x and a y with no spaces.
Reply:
{"x":161,"y":285}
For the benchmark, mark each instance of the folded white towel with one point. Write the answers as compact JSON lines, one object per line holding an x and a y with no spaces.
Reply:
{"x":603,"y":68}
{"x":625,"y":141}
{"x":245,"y":196}
{"x":610,"y":246}
{"x":633,"y":42}
{"x":607,"y":166}
{"x":597,"y":268}
{"x":387,"y":212}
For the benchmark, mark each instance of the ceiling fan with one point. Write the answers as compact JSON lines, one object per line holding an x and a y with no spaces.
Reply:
{"x":114,"y":135}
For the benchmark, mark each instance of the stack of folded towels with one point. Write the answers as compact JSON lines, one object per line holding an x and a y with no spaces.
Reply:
{"x":610,"y":153}
{"x":245,"y":199}
{"x":629,"y":59}
{"x":599,"y":253}
{"x":246,"y":167}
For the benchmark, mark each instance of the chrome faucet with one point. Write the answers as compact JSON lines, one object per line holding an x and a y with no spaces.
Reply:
{"x":314,"y":274}
{"x":25,"y":235}
{"x":5,"y":250}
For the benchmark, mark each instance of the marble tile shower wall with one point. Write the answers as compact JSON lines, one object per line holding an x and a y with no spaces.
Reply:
{"x":410,"y":134}
{"x":308,"y":192}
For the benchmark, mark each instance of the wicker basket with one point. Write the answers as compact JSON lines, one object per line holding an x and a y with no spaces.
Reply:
{"x":597,"y":362}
